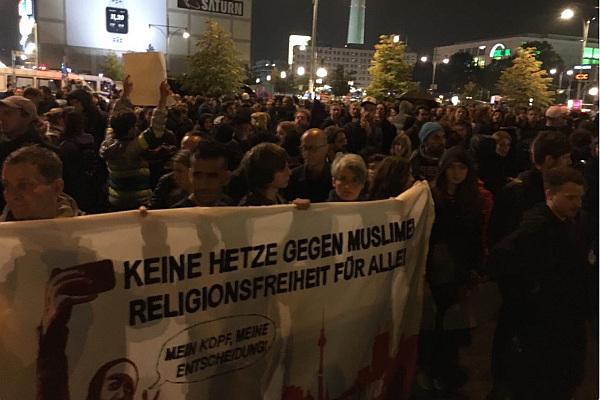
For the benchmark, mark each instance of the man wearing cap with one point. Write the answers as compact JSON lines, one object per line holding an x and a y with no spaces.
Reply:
{"x":17,"y":128}
{"x":424,"y":160}
{"x":364,"y":133}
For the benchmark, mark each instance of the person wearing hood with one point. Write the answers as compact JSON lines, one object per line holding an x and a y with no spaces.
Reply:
{"x":455,"y":257}
{"x":425,"y":159}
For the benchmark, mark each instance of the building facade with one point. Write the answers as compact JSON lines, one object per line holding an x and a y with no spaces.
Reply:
{"x":486,"y":50}
{"x":81,"y":33}
{"x":351,"y":57}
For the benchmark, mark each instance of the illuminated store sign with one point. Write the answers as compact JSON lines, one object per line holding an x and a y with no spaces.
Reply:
{"x":122,"y":25}
{"x":499,"y":51}
{"x":214,"y":6}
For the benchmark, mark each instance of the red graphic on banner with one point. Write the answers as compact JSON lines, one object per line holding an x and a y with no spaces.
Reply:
{"x":386,"y":377}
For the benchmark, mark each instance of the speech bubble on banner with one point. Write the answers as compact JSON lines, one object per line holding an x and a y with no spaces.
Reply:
{"x":213,"y":348}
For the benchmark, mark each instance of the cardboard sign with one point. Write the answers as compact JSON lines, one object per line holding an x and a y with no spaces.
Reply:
{"x":147,"y":71}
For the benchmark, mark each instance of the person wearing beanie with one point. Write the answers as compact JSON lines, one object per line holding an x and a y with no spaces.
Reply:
{"x":425,"y":159}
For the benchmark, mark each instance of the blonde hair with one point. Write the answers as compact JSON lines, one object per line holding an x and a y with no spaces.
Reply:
{"x":260,"y":120}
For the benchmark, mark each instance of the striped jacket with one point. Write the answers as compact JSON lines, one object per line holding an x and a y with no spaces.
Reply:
{"x":129,"y":176}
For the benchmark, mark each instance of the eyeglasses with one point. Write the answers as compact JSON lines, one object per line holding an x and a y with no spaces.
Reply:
{"x":311,"y":148}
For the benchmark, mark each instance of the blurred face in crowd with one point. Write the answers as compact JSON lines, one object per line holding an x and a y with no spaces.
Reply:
{"x":208,"y":178}
{"x":393,"y":112}
{"x":355,"y":110}
{"x":314,"y":148}
{"x":208,"y":124}
{"x":566,"y":201}
{"x":18,"y":92}
{"x":189,"y":142}
{"x":460,"y":113}
{"x":301,"y":120}
{"x":496,"y":116}
{"x":77,"y":104}
{"x":340,"y":141}
{"x":181,"y":175}
{"x":502,"y":147}
{"x":422,"y":115}
{"x":347,"y":185}
{"x":335,"y":111}
{"x":560,"y":161}
{"x":532,"y":117}
{"x":270,"y":103}
{"x":368,"y":112}
{"x":281,"y":178}
{"x":439,"y":112}
{"x":243,"y":130}
{"x":182,"y":108}
{"x":35,"y":99}
{"x":13,"y":121}
{"x":287,"y":102}
{"x":28,"y":194}
{"x":435,"y":143}
{"x":456,"y":173}
{"x":380,"y":111}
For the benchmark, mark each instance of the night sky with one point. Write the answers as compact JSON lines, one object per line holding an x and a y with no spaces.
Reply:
{"x":427,"y":23}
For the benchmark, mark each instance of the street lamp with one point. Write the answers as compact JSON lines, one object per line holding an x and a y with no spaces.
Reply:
{"x":268,"y":77}
{"x":321,"y":72}
{"x":553,"y":71}
{"x":283,"y":75}
{"x":300,"y":71}
{"x":168,"y":35}
{"x":313,"y":50}
{"x":568,"y":14}
{"x":424,"y":59}
{"x":593,"y":91}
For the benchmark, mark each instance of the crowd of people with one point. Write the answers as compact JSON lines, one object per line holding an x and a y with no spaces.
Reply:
{"x":515,"y":192}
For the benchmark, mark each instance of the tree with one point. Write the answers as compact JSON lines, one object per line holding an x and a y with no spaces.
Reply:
{"x":491,"y":74}
{"x":113,"y":68}
{"x":389,"y":72}
{"x":525,"y":80}
{"x":545,"y":53}
{"x":216,"y":68}
{"x":471,"y":91}
{"x":339,"y":80}
{"x":459,"y":71}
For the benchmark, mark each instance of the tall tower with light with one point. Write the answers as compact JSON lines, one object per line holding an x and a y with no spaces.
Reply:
{"x":356,"y":23}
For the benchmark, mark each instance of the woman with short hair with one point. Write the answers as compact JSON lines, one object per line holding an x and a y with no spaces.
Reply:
{"x":349,"y":175}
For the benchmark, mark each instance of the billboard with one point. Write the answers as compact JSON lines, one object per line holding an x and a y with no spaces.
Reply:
{"x":122,"y":25}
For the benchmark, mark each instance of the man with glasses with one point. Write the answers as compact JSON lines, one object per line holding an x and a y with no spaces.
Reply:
{"x":312,"y":180}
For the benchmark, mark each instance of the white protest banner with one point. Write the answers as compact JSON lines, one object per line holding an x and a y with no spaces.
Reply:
{"x":147,"y":71}
{"x":216,"y":303}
